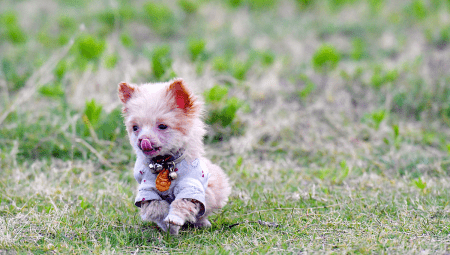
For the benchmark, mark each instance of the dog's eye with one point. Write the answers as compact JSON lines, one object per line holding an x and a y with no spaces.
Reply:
{"x":162,"y":126}
{"x":135,"y":128}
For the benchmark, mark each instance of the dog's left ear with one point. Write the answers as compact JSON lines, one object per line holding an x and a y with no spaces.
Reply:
{"x":183,"y":98}
{"x":126,"y":91}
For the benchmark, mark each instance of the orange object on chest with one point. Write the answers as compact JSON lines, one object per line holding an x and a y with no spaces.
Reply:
{"x":163,"y":181}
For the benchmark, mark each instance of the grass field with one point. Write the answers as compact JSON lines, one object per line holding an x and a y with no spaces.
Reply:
{"x":331,"y":118}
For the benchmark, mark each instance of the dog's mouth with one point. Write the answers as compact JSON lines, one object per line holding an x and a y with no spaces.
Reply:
{"x":148,"y":149}
{"x":152,"y":152}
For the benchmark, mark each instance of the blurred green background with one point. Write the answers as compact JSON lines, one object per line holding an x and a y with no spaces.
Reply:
{"x":64,"y":58}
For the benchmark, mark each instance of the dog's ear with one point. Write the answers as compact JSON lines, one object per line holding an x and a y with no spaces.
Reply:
{"x":183,"y":98}
{"x":126,"y":91}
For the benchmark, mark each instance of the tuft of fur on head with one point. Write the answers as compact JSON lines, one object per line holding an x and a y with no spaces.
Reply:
{"x":163,"y":118}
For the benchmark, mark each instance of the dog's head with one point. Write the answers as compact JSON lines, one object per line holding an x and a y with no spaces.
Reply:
{"x":161,"y":118}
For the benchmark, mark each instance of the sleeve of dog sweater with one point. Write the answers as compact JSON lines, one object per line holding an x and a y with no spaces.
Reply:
{"x":145,"y":194}
{"x":194,"y":183}
{"x":146,"y":180}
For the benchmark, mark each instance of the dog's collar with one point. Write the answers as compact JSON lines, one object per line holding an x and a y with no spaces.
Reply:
{"x":162,"y":162}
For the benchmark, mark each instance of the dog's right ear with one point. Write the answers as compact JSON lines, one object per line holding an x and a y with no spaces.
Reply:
{"x":126,"y":91}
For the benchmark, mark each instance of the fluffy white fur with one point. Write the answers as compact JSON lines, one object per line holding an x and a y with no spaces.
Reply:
{"x":171,"y":104}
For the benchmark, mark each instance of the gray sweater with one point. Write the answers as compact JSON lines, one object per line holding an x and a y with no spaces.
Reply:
{"x":191,"y":183}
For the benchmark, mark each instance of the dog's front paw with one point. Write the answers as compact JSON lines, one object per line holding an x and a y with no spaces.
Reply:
{"x":174,"y":223}
{"x":162,"y":225}
{"x":173,"y":229}
{"x":202,"y":223}
{"x":155,"y":211}
{"x":174,"y":219}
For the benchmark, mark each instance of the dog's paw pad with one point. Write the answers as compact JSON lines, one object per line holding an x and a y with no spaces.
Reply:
{"x":174,"y":219}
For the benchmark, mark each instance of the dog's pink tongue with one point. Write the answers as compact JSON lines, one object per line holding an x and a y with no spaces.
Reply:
{"x":146,"y":145}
